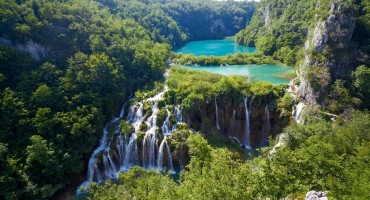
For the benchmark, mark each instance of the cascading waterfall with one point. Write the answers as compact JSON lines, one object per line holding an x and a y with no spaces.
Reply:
{"x":131,"y":155}
{"x":120,"y":145}
{"x":178,"y":113}
{"x":166,"y":124}
{"x":150,"y":139}
{"x":280,"y":142}
{"x":247,"y":125}
{"x":161,"y":155}
{"x":250,"y":103}
{"x":110,"y":170}
{"x":105,"y":163}
{"x":266,"y":127}
{"x":93,"y":171}
{"x":298,"y":112}
{"x":217,"y":125}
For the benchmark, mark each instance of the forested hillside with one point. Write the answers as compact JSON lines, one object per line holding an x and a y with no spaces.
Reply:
{"x":325,"y":41}
{"x":324,"y":147}
{"x":87,"y":99}
{"x":66,"y":67}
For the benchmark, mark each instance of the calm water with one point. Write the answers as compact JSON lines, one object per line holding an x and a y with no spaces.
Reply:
{"x":255,"y":72}
{"x":214,"y":48}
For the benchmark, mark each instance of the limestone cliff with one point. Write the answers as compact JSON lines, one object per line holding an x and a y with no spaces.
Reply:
{"x":35,"y":50}
{"x":327,"y":54}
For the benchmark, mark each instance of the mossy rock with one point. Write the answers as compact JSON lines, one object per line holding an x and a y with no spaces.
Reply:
{"x":143,"y":127}
{"x":147,"y":106}
{"x":171,"y":108}
{"x":182,"y":126}
{"x":178,"y":137}
{"x":161,"y":103}
{"x":161,"y":116}
{"x":140,"y":137}
{"x":148,"y":114}
{"x":173,"y":119}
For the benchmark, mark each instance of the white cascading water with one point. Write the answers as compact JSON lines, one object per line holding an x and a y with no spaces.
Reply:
{"x":217,"y":125}
{"x":110,"y":170}
{"x":126,"y":153}
{"x":150,"y":139}
{"x":298,"y":112}
{"x":266,"y":127}
{"x":161,"y":154}
{"x":93,"y":172}
{"x":280,"y":143}
{"x":131,"y":155}
{"x":166,"y":124}
{"x":247,"y":125}
{"x":178,"y":113}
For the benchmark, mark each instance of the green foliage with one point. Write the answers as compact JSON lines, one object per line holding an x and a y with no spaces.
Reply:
{"x":195,"y":89}
{"x":136,"y":183}
{"x":94,"y":60}
{"x":362,"y":84}
{"x":320,"y":155}
{"x":266,"y":44}
{"x":236,"y":59}
{"x":340,"y":98}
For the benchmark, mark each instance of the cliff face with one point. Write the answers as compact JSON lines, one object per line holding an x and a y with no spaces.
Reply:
{"x":327,"y":54}
{"x":35,"y":50}
{"x":228,"y":116}
{"x":315,"y":36}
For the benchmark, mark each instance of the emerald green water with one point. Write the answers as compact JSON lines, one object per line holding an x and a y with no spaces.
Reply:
{"x":255,"y":72}
{"x":228,"y":46}
{"x":214,"y":48}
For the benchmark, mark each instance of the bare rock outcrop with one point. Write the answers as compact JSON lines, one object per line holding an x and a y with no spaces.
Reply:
{"x":313,"y":195}
{"x":35,"y":50}
{"x":326,"y":55}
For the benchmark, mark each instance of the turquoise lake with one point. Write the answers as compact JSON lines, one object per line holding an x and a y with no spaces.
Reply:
{"x":255,"y":72}
{"x":228,"y":46}
{"x":214,"y":48}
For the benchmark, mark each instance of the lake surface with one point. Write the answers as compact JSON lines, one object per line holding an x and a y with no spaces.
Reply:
{"x":214,"y":48}
{"x":255,"y":72}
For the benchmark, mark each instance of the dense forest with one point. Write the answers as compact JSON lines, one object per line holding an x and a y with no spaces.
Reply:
{"x":68,"y":67}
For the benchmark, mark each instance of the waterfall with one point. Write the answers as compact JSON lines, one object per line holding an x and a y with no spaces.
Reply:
{"x":105,"y":163}
{"x":247,"y":125}
{"x":131,"y":115}
{"x":280,"y":143}
{"x":166,"y":124}
{"x":161,"y":155}
{"x":110,"y":170}
{"x":150,"y":139}
{"x":217,"y":125}
{"x":132,"y":154}
{"x":178,"y":113}
{"x":232,"y":125}
{"x":122,"y":111}
{"x":121,"y":148}
{"x":250,"y":103}
{"x":93,"y":169}
{"x":298,"y":112}
{"x":266,"y":127}
{"x":138,"y":118}
{"x":236,"y":139}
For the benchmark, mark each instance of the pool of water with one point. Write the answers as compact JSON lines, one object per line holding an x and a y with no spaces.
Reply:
{"x":214,"y":48}
{"x":255,"y":72}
